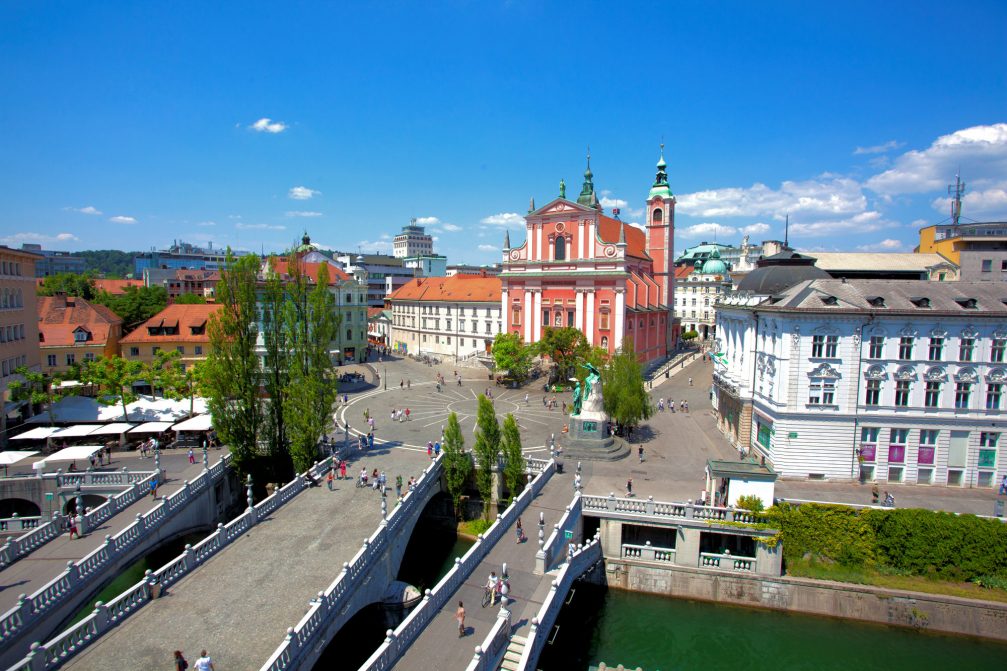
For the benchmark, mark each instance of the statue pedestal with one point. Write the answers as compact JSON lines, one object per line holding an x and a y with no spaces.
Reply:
{"x":588,"y":439}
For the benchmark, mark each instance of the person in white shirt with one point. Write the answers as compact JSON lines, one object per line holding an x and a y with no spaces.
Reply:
{"x":204,"y":663}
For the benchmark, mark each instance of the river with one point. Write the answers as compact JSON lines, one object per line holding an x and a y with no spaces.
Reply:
{"x":664,"y":634}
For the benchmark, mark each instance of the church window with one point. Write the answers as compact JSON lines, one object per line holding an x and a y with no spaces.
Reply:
{"x":516,"y":316}
{"x":658,"y":216}
{"x":603,"y":321}
{"x":604,"y":342}
{"x":560,"y":249}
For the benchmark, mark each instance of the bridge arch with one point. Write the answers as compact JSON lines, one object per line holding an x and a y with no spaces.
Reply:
{"x":20,"y":507}
{"x":91,"y":501}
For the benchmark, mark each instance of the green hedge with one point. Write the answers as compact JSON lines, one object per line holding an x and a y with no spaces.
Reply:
{"x":919,"y":542}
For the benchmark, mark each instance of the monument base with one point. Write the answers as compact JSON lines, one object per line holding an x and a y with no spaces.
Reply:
{"x":588,"y":440}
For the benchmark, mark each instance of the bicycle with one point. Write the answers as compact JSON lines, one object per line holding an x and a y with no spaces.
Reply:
{"x":487,"y":596}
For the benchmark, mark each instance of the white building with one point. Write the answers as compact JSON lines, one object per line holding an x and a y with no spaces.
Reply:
{"x":384,"y":274}
{"x":892,"y":381}
{"x":447,"y":317}
{"x":697,"y":289}
{"x":412,"y":241}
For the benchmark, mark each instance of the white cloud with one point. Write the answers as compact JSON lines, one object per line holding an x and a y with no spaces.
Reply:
{"x":879,"y":148}
{"x":302,"y":213}
{"x":709,"y":229}
{"x":755,"y":229}
{"x":267,"y":125}
{"x":505,"y":219}
{"x":375,"y":246}
{"x":614,"y":202}
{"x":427,"y":221}
{"x":122,"y":220}
{"x":827,"y":195}
{"x":434,"y":238}
{"x":980,"y":152}
{"x":259,"y":227}
{"x":206,"y":224}
{"x":488,"y":248}
{"x":625,"y":210}
{"x":38,"y":238}
{"x":886,"y":245}
{"x":302,"y":193}
{"x":385,"y":236}
{"x":865,"y":222}
{"x":991,"y":201}
{"x":451,"y":228}
{"x":89,"y":209}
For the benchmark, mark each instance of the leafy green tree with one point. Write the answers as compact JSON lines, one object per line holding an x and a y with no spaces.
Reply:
{"x":37,"y":389}
{"x":190,"y":299}
{"x":232,"y":366}
{"x":514,"y":464}
{"x":110,"y":263}
{"x":310,"y":327}
{"x":512,"y":355}
{"x":71,"y":284}
{"x":566,"y":347}
{"x":457,"y":462}
{"x":114,"y":378}
{"x":625,"y":397}
{"x":690,"y":335}
{"x":174,"y":379}
{"x":136,"y":305}
{"x":486,"y":449}
{"x":276,"y":367}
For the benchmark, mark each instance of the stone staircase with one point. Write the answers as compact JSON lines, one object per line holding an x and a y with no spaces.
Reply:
{"x":512,"y":656}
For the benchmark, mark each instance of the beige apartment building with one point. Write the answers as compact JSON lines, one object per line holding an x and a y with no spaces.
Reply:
{"x":18,"y":323}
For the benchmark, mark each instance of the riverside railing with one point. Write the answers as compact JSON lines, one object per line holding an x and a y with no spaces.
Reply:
{"x":137,"y":482}
{"x":651,"y":508}
{"x":493,"y":647}
{"x":546,"y":557}
{"x":727,"y":562}
{"x":71,"y":641}
{"x":397,"y":641}
{"x":576,"y":566}
{"x":648,"y":553}
{"x":332,"y":603}
{"x":80,"y":574}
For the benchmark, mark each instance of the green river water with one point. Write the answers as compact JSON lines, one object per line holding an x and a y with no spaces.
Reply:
{"x":663,"y":634}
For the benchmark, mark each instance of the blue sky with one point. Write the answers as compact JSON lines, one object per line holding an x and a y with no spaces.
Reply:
{"x":128,"y":125}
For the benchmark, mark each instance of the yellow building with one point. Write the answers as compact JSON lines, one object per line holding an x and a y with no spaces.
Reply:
{"x":182,"y":328}
{"x":18,"y":323}
{"x":979,"y":249}
{"x":72,"y":331}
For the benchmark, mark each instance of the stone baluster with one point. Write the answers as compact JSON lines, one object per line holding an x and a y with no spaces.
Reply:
{"x":24,"y":607}
{"x":157,"y":459}
{"x":390,"y":639}
{"x":541,"y":530}
{"x":293,"y":645}
{"x":251,"y":499}
{"x":189,"y":558}
{"x":80,"y":511}
{"x":478,"y":656}
{"x":649,"y":505}
{"x":140,"y":522}
{"x":101,"y":623}
{"x":610,"y":504}
{"x":384,"y":510}
{"x":206,"y":457}
{"x":37,"y":657}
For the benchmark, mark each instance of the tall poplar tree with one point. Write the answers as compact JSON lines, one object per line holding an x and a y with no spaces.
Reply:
{"x":514,"y":464}
{"x":275,"y":370}
{"x":486,"y":449}
{"x":311,"y":326}
{"x":457,"y":462}
{"x":233,"y":370}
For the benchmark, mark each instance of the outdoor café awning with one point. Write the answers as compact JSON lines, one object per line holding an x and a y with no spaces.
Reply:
{"x":75,"y":431}
{"x":11,"y":457}
{"x":197,"y":423}
{"x":74,"y":453}
{"x":151,"y":427}
{"x":39,"y":433}
{"x":111,"y":429}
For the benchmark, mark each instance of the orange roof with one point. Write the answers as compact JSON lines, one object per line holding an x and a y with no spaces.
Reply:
{"x":116,"y":286}
{"x":457,"y":288}
{"x":60,"y":317}
{"x":636,"y":239}
{"x":682,"y":271}
{"x":185,"y":317}
{"x":281,"y":266}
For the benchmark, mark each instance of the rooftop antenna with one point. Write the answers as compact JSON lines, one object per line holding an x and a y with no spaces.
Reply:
{"x":786,"y":233}
{"x":956,"y":190}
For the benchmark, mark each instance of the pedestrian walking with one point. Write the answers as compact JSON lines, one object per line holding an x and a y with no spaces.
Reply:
{"x":690,"y":381}
{"x":402,"y":384}
{"x":437,"y":449}
{"x":192,"y":457}
{"x":430,"y":450}
{"x":519,"y":530}
{"x":640,"y":452}
{"x":576,"y":482}
{"x":370,"y":440}
{"x":526,"y":398}
{"x":342,"y":469}
{"x":545,"y":402}
{"x":180,"y":662}
{"x":72,"y":523}
{"x":460,"y":617}
{"x":660,"y":405}
{"x":153,"y":486}
{"x":407,"y":414}
{"x":398,"y":486}
{"x":329,"y":478}
{"x":204,"y":663}
{"x":409,"y":384}
{"x":685,"y":405}
{"x":629,"y":487}
{"x":671,"y":405}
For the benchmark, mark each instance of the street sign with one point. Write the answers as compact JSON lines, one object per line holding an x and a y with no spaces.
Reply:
{"x":568,"y":534}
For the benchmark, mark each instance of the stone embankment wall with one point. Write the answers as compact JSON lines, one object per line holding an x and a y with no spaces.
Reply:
{"x":931,"y":612}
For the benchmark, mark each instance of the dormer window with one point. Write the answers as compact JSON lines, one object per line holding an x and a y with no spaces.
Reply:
{"x":876,"y":301}
{"x":830,"y":300}
{"x":80,"y":335}
{"x":920,"y":301}
{"x":968,"y":303}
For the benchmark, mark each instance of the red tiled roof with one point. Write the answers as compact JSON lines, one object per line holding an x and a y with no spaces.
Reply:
{"x":636,"y":239}
{"x":682,"y":271}
{"x":282,"y":266}
{"x":184,"y":316}
{"x":460,"y":288}
{"x":116,"y":286}
{"x":59,"y":317}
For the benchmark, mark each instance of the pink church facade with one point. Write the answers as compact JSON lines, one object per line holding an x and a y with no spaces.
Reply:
{"x":579,"y":267}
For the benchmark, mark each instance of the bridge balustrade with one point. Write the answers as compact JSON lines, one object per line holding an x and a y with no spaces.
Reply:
{"x":633,"y":507}
{"x":397,"y":641}
{"x":71,"y":641}
{"x":489,"y":653}
{"x":578,"y":564}
{"x":545,"y":558}
{"x":78,"y":575}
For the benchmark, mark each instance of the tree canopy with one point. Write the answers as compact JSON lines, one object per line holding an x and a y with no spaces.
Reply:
{"x":457,"y":463}
{"x":486,"y":449}
{"x":512,"y":355}
{"x":625,"y":397}
{"x":114,"y":378}
{"x":513,"y":458}
{"x":135,"y":305}
{"x":71,"y":284}
{"x":190,"y":299}
{"x":566,"y":347}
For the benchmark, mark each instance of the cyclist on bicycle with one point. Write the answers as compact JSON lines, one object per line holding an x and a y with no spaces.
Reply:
{"x":491,"y":587}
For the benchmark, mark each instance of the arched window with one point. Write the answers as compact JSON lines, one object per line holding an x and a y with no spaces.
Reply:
{"x":560,"y":252}
{"x":604,"y":342}
{"x":349,"y":334}
{"x":658,"y":216}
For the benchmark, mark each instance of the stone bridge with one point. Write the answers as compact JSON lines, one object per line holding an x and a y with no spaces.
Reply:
{"x":194,"y":505}
{"x":247,"y":583}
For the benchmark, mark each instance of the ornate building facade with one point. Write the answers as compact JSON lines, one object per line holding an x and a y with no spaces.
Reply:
{"x":580,"y":268}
